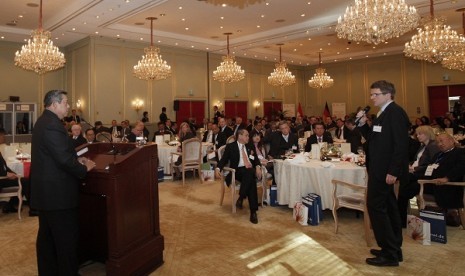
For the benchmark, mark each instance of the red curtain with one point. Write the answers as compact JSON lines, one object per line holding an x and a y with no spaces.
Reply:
{"x":438,"y":101}
{"x":235,"y":108}
{"x":271,"y":108}
{"x":188,"y":109}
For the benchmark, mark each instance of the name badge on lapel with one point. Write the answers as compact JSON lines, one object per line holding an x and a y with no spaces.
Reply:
{"x":377,"y":128}
{"x":251,"y":157}
{"x":294,"y":148}
{"x":430,"y":169}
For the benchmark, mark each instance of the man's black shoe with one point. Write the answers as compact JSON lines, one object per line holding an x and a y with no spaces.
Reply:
{"x":9,"y":209}
{"x":378,"y":253}
{"x":253,"y":218}
{"x":239,"y":203}
{"x":381,"y":261}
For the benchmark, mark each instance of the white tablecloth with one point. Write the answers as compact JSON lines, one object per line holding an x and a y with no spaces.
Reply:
{"x":16,"y":166}
{"x":164,"y":155}
{"x":297,"y":180}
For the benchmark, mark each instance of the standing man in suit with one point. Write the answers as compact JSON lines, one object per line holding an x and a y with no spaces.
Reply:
{"x":227,"y":131}
{"x":216,"y":114}
{"x":387,"y":161}
{"x":247,"y":165}
{"x":163,"y":116}
{"x":74,"y":117}
{"x":282,"y":141}
{"x":319,"y":136}
{"x":55,"y":174}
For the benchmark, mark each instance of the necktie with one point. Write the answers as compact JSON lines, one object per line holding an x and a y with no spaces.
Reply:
{"x":319,"y":140}
{"x":245,"y":158}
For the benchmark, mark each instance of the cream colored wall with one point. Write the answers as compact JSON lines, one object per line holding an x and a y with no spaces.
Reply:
{"x":352,"y":80}
{"x":29,"y":86}
{"x":99,"y":73}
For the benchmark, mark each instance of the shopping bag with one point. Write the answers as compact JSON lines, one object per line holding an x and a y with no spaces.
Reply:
{"x":418,"y":230}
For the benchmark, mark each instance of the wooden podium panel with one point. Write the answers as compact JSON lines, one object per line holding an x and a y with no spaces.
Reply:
{"x":119,"y":212}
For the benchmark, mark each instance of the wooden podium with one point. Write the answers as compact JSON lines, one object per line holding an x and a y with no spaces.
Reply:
{"x":119,"y":216}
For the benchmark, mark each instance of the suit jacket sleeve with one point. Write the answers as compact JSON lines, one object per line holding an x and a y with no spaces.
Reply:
{"x":399,"y":129}
{"x":226,"y":156}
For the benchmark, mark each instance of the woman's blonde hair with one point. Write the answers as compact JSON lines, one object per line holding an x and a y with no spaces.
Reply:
{"x":426,"y":130}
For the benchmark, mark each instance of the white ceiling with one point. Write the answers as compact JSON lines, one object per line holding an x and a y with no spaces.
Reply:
{"x":304,"y":26}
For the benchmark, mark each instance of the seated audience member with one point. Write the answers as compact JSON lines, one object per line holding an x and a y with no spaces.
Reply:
{"x":90,"y":136}
{"x":282,"y":141}
{"x":341,"y":130}
{"x":125,"y":129}
{"x":224,"y":128}
{"x":76,"y":135}
{"x":424,"y":156}
{"x":145,"y":117}
{"x":218,"y":140}
{"x":185,"y":133}
{"x":319,"y":136}
{"x":115,"y":129}
{"x":11,"y":180}
{"x":169,"y":126}
{"x":74,"y":117}
{"x":258,"y":128}
{"x":353,"y":136}
{"x":249,"y":125}
{"x":137,"y":131}
{"x":447,"y":166}
{"x":2,"y":140}
{"x":329,"y":123}
{"x":100,"y":128}
{"x":247,"y":165}
{"x":161,"y":131}
{"x":208,"y":134}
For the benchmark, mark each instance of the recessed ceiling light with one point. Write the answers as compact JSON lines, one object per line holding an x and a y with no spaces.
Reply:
{"x":308,"y":3}
{"x":258,"y":26}
{"x":183,"y":19}
{"x":309,"y":38}
{"x":222,"y":17}
{"x":73,"y":29}
{"x":329,"y":43}
{"x":385,"y":42}
{"x":245,"y":54}
{"x":180,"y":8}
{"x":141,"y":38}
{"x":384,"y":53}
{"x":302,"y":15}
{"x":221,"y":27}
{"x":350,"y":58}
{"x":85,"y":23}
{"x":301,"y":44}
{"x":207,"y":48}
{"x":96,"y":32}
{"x":20,"y":16}
{"x":159,"y":41}
{"x":110,"y":9}
{"x":295,"y":50}
{"x":255,"y":55}
{"x":374,"y":47}
{"x":176,"y":44}
{"x":338,"y":53}
{"x":224,"y":5}
{"x":267,"y":3}
{"x":321,"y":49}
{"x":366,"y":56}
{"x":187,"y":29}
{"x":97,"y":16}
{"x":347,"y":48}
{"x":262,"y":15}
{"x":56,"y":38}
{"x":192,"y":46}
{"x":25,"y":40}
{"x":127,"y":1}
{"x":2,"y":37}
{"x":162,"y":14}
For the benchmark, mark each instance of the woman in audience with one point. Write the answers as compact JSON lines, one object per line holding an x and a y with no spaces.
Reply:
{"x":447,"y":123}
{"x":424,"y":156}
{"x":257,"y":144}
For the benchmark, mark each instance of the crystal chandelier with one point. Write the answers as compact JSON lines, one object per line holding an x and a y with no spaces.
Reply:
{"x":457,"y":60}
{"x":228,"y":71}
{"x":320,"y":79}
{"x":376,"y":21}
{"x":152,"y":66}
{"x":39,"y":54}
{"x":434,"y":41}
{"x":281,"y":76}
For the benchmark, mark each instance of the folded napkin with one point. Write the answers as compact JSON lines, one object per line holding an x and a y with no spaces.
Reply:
{"x":298,"y":159}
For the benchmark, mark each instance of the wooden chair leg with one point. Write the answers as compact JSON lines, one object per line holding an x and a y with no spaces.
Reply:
{"x":462,"y":217}
{"x":233,"y":193}
{"x":222,"y":194}
{"x":335,"y":220}
{"x":183,"y":177}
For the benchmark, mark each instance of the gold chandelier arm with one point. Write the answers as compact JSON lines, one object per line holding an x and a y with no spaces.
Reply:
{"x":40,"y":16}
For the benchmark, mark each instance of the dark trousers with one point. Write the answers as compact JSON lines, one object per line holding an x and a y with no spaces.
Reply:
{"x":5,"y":183}
{"x":408,"y":188}
{"x":57,"y":242}
{"x":384,"y":216}
{"x":248,"y":187}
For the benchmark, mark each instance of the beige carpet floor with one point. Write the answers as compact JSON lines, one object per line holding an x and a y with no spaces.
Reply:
{"x":203,"y":238}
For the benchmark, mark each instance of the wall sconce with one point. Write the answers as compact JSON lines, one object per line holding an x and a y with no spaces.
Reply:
{"x":191,"y":92}
{"x":137,"y":104}
{"x":236,"y":94}
{"x":218,"y":104}
{"x":256,"y":104}
{"x":79,"y":105}
{"x":273,"y":95}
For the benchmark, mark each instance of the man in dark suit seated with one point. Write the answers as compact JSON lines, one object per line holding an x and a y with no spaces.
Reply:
{"x":76,"y":135}
{"x":90,"y":136}
{"x":282,"y":141}
{"x":10,"y":181}
{"x":100,"y":128}
{"x":247,"y":165}
{"x":115,"y":129}
{"x":208,"y":134}
{"x":137,"y":131}
{"x":341,"y":130}
{"x":353,"y":135}
{"x":319,"y":136}
{"x":218,"y":140}
{"x":161,"y":131}
{"x":227,"y":131}
{"x":448,"y":166}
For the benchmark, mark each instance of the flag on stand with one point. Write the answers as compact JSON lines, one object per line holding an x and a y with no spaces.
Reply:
{"x":299,"y":110}
{"x":326,"y":112}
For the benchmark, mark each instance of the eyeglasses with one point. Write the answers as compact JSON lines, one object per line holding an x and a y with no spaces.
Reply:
{"x":376,"y":94}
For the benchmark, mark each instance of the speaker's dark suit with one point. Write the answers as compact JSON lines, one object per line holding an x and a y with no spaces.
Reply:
{"x":279,"y":146}
{"x":387,"y":154}
{"x":55,"y":174}
{"x":314,"y":140}
{"x":245,"y":175}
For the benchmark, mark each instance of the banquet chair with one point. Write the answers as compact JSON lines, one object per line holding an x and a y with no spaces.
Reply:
{"x":424,"y":200}
{"x":355,"y":200}
{"x":191,"y":158}
{"x":103,"y":136}
{"x":231,"y":139}
{"x":236,"y":184}
{"x":9,"y":192}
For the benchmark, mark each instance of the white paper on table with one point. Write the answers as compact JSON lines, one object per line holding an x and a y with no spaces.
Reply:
{"x":345,"y":148}
{"x":298,"y":159}
{"x":159,"y":139}
{"x":315,"y":151}
{"x":166,"y":137}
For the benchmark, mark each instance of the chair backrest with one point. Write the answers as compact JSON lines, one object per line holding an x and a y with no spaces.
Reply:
{"x":355,"y":200}
{"x":221,"y":152}
{"x":300,"y":133}
{"x":103,"y":136}
{"x":231,"y":139}
{"x":192,"y":151}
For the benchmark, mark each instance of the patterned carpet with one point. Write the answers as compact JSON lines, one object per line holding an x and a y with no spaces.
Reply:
{"x":202,"y":238}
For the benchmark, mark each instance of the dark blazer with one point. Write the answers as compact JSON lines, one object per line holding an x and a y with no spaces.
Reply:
{"x":55,"y":170}
{"x":451,"y":165}
{"x":118,"y":128}
{"x":426,"y":158}
{"x":80,"y":140}
{"x":231,"y":155}
{"x":278,"y":146}
{"x":219,"y":140}
{"x":338,"y":132}
{"x":125,"y":131}
{"x":76,"y":118}
{"x":390,"y":146}
{"x":354,"y":137}
{"x":314,"y":140}
{"x":237,"y":127}
{"x":205,"y":136}
{"x":4,"y":167}
{"x":227,"y":132}
{"x":163,"y":117}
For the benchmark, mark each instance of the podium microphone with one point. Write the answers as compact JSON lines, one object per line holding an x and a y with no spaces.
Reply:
{"x":361,"y":113}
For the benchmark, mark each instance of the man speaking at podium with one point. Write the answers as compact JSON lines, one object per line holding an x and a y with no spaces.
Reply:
{"x":55,"y":174}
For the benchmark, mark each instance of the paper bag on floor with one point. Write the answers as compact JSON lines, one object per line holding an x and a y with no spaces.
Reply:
{"x":418,"y":230}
